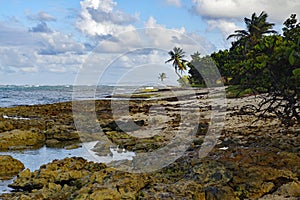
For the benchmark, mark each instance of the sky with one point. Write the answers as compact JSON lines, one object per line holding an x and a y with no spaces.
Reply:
{"x":117,"y":42}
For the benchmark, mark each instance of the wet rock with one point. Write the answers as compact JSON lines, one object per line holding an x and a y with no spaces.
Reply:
{"x":59,"y":172}
{"x":73,"y":146}
{"x":75,"y":178}
{"x":60,"y":136}
{"x":5,"y":126}
{"x":21,"y":139}
{"x":9,"y":167}
{"x":102,"y":148}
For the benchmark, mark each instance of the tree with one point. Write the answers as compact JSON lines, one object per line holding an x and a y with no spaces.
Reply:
{"x":195,"y":77}
{"x":270,"y":67}
{"x":179,"y":63}
{"x":162,"y":76}
{"x":202,"y":70}
{"x":257,"y":26}
{"x":222,"y":59}
{"x":291,"y":28}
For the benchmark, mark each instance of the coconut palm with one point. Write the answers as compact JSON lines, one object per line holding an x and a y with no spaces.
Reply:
{"x":177,"y":55}
{"x":257,"y":26}
{"x":162,"y":76}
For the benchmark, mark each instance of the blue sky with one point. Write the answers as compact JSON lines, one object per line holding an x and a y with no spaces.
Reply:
{"x":53,"y":42}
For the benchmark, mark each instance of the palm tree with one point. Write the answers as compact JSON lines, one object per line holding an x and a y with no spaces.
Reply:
{"x":257,"y":26}
{"x":177,"y":55}
{"x":162,"y":76}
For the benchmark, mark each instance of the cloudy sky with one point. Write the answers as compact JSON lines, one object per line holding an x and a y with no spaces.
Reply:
{"x":53,"y":42}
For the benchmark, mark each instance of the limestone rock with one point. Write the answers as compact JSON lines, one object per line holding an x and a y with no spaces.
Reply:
{"x":9,"y":167}
{"x":21,"y":139}
{"x":291,"y":189}
{"x":5,"y":126}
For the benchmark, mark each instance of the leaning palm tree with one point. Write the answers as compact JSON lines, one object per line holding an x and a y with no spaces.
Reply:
{"x":162,"y":76}
{"x":257,"y":26}
{"x":177,"y":55}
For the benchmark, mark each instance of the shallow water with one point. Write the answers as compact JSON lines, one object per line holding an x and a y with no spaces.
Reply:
{"x":33,"y":159}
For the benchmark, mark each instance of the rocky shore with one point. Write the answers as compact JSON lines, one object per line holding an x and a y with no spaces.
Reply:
{"x":249,"y":160}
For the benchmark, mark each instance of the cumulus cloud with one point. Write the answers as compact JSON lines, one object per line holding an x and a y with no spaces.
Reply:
{"x":277,"y":9}
{"x":154,"y":35}
{"x":225,"y":26}
{"x":224,"y":14}
{"x":38,"y":51}
{"x":176,"y":3}
{"x":59,"y":43}
{"x":168,"y":38}
{"x":15,"y":60}
{"x":100,"y":18}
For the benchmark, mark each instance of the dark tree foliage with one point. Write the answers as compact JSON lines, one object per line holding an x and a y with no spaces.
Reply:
{"x":202,"y":70}
{"x":195,"y":77}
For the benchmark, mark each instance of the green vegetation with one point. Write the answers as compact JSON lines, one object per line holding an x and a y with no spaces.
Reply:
{"x":259,"y":61}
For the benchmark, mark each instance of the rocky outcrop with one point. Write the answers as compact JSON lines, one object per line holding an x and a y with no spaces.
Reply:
{"x":230,"y":178}
{"x":250,"y":160}
{"x":21,"y":139}
{"x":61,"y":136}
{"x":9,"y":167}
{"x":75,"y":178}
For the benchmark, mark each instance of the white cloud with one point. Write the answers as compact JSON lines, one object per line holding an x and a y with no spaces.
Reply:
{"x":225,"y":26}
{"x":176,"y":3}
{"x":98,"y":18}
{"x":225,"y":14}
{"x":154,"y":35}
{"x":168,"y":38}
{"x":38,"y":52}
{"x":121,"y":42}
{"x":58,"y":43}
{"x":13,"y":59}
{"x":277,"y":9}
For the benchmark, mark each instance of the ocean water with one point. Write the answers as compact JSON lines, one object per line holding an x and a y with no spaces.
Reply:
{"x":11,"y":95}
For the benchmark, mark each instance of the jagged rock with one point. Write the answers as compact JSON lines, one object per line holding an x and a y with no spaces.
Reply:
{"x":5,"y":126}
{"x":21,"y":139}
{"x":291,"y":189}
{"x":220,"y":193}
{"x":9,"y":167}
{"x":76,"y":178}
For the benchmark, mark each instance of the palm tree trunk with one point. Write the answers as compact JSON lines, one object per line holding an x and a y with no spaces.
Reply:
{"x":180,"y":77}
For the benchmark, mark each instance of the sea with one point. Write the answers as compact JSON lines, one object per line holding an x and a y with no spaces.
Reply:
{"x":15,"y":95}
